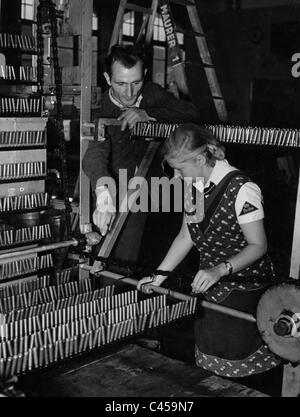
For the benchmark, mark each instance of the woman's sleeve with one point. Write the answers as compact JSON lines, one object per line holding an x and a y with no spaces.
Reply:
{"x":249,"y":203}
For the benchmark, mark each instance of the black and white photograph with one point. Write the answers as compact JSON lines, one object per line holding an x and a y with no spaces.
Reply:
{"x":149,"y":201}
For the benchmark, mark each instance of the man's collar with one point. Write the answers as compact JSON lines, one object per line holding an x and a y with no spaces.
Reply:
{"x":120,"y":105}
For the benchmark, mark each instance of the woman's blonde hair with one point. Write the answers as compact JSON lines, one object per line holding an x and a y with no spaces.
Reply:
{"x":188,"y":141}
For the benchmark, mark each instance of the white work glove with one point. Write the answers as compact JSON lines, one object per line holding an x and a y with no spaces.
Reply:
{"x":105,"y":212}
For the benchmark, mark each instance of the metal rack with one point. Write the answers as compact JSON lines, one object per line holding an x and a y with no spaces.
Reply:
{"x":23,"y":164}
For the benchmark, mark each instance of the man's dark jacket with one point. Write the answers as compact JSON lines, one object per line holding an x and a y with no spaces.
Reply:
{"x":118,"y":151}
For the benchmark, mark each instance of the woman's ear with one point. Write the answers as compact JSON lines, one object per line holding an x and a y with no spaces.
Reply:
{"x":107,"y":77}
{"x":201,"y":159}
{"x":216,"y":151}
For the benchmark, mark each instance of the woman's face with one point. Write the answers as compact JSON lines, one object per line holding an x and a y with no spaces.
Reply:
{"x":190,"y":170}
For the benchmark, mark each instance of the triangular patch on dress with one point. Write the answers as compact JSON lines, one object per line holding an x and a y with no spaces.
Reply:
{"x":248,"y":208}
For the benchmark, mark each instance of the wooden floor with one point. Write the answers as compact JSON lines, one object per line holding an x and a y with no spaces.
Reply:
{"x":131,"y":371}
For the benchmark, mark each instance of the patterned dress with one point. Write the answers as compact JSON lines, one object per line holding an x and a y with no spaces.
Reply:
{"x":225,"y":345}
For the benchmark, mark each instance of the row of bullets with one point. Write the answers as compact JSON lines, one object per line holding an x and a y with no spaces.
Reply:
{"x":48,"y":299}
{"x":19,"y":288}
{"x":24,"y":235}
{"x":230,"y":134}
{"x":46,"y":344}
{"x":62,"y":277}
{"x":17,"y":105}
{"x":68,"y":330}
{"x":172,"y":312}
{"x":45,"y":355}
{"x":52,"y":297}
{"x":256,"y":135}
{"x":93,"y":316}
{"x":41,"y":301}
{"x":9,"y":40}
{"x":61,"y":311}
{"x":29,"y":138}
{"x":26,"y":266}
{"x":19,"y":170}
{"x":20,"y":295}
{"x":24,"y":202}
{"x":152,"y":130}
{"x":50,"y":315}
{"x":84,"y":313}
{"x":22,"y":73}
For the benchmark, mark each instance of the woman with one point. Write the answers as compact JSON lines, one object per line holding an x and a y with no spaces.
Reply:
{"x":230,"y":237}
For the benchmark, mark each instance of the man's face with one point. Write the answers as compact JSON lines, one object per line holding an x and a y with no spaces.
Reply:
{"x":126,"y":83}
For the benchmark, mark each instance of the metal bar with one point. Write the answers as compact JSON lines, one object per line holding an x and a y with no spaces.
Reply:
{"x":35,"y":250}
{"x":85,"y":105}
{"x":228,"y":311}
{"x":134,"y":282}
{"x":105,"y":121}
{"x":183,"y":297}
{"x":109,"y":121}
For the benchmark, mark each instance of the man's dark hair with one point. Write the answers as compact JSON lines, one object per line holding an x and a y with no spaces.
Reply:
{"x":127,"y":55}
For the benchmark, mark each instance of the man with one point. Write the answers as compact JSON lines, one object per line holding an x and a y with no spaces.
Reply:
{"x":129,"y":99}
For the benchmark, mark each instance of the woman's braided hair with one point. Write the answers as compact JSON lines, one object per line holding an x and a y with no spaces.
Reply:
{"x":188,"y":141}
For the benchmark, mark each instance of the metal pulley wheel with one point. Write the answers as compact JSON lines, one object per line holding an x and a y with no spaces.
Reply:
{"x":278,"y":321}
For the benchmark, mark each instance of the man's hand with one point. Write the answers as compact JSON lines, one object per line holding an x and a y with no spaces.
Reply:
{"x":205,"y":279}
{"x":105,"y":213}
{"x":133,"y":115}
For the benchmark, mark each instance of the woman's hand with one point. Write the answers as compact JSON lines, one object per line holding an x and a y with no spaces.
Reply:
{"x":206,"y":278}
{"x":155,"y":280}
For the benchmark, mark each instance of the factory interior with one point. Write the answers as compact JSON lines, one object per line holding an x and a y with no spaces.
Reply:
{"x":73,"y":320}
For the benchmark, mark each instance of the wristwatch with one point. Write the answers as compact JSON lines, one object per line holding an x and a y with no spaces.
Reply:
{"x":229,"y":267}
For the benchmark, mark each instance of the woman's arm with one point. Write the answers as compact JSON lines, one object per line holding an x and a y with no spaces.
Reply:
{"x":255,"y":235}
{"x":180,"y":247}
